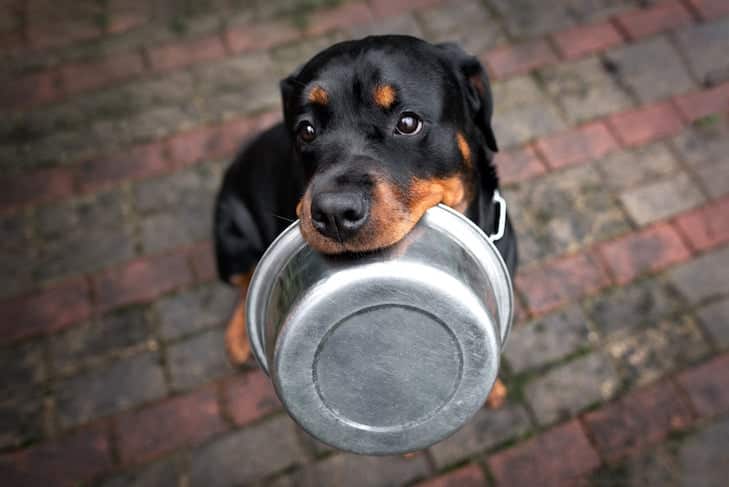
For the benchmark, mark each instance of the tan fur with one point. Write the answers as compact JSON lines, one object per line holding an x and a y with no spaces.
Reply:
{"x":236,"y":334}
{"x":384,"y":96}
{"x":318,"y":95}
{"x":497,"y":396}
{"x":464,"y":149}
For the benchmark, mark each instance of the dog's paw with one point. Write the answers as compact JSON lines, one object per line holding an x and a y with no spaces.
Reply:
{"x":497,"y":396}
{"x":236,"y":337}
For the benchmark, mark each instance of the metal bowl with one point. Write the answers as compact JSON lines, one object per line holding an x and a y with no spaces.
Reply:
{"x":385,"y":352}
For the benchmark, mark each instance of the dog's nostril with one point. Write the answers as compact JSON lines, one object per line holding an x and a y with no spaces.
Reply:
{"x":352,"y":215}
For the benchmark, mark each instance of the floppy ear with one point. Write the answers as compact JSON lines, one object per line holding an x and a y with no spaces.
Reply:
{"x":476,"y":86}
{"x":289,"y":87}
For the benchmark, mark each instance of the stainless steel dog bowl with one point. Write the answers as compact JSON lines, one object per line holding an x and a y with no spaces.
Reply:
{"x":386,"y":352}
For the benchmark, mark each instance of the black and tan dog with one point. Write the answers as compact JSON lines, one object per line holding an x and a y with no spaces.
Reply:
{"x":375,"y":132}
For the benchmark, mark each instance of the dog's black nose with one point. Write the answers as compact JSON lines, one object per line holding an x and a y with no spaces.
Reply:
{"x":339,"y":215}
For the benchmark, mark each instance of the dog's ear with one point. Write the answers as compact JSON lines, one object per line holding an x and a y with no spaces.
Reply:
{"x":476,"y":86}
{"x":289,"y":87}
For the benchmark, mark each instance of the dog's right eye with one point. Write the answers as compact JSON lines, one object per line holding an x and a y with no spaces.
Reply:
{"x":306,"y":131}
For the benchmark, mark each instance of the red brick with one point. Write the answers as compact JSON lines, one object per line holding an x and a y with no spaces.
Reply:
{"x":468,"y":476}
{"x":24,"y":189}
{"x":44,"y":33}
{"x":255,"y":37}
{"x":68,"y":461}
{"x":706,"y":227}
{"x":341,"y":17}
{"x":46,"y":310}
{"x":578,"y":145}
{"x":11,"y":42}
{"x":141,"y":162}
{"x":141,"y":280}
{"x":250,"y":397}
{"x":587,"y":39}
{"x":186,"y":52}
{"x":646,"y":124}
{"x":236,"y":132}
{"x":659,"y":17}
{"x":557,"y":457}
{"x":648,"y":250}
{"x":699,"y":104}
{"x":708,"y":386}
{"x":561,"y":280}
{"x":385,"y":8}
{"x":194,"y":146}
{"x":123,"y":21}
{"x":518,"y":165}
{"x":202,"y":259}
{"x":166,"y":426}
{"x":78,"y":77}
{"x":710,"y":9}
{"x":30,"y":90}
{"x":519,"y":59}
{"x":641,"y":418}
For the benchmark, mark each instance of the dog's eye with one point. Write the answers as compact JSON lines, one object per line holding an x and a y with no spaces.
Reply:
{"x":409,"y":124}
{"x":306,"y":132}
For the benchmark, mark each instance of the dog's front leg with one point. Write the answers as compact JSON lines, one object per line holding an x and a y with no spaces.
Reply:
{"x":236,"y":335}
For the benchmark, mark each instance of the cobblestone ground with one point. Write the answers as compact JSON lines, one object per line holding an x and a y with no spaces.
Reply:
{"x":117,"y":120}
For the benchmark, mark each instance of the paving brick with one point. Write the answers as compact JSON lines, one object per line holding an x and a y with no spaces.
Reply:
{"x":715,"y":317}
{"x":645,"y":124}
{"x":699,"y":104}
{"x":70,"y":460}
{"x":547,"y":339}
{"x":122,"y":384}
{"x":648,"y":250}
{"x":185,"y":53}
{"x":30,"y":90}
{"x":706,"y":385}
{"x":519,"y":164}
{"x":710,"y":9}
{"x":703,"y":277}
{"x":195,"y":309}
{"x":653,"y":467}
{"x":160,"y":428}
{"x":662,"y":199}
{"x":193,"y":146}
{"x":384,"y":8}
{"x":665,"y":15}
{"x":706,"y":227}
{"x":581,"y":383}
{"x":21,"y":415}
{"x":561,"y":280}
{"x":658,"y":349}
{"x":641,"y":418}
{"x":578,"y":145}
{"x":46,"y":310}
{"x":523,"y":123}
{"x":17,"y":255}
{"x":219,"y":463}
{"x":404,"y":24}
{"x":363,"y":471}
{"x":339,"y":17}
{"x":141,"y":280}
{"x":197,"y":360}
{"x":519,"y":59}
{"x":702,"y":457}
{"x":705,"y":141}
{"x":163,"y":472}
{"x":638,"y":166}
{"x":487,"y":429}
{"x":463,"y":21}
{"x":543,"y":458}
{"x":78,"y":77}
{"x":23,"y":364}
{"x":584,"y":89}
{"x":705,"y":46}
{"x":250,"y":396}
{"x":650,"y":69}
{"x":714,"y":175}
{"x":22,"y":189}
{"x":141,"y":162}
{"x":262,"y":36}
{"x":587,"y":39}
{"x":202,"y":259}
{"x":468,"y":476}
{"x":626,"y":309}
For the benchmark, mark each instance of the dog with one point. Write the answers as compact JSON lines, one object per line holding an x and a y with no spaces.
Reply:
{"x":375,"y":131}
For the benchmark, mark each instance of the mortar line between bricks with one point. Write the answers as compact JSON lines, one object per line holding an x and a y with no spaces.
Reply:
{"x":692,"y":10}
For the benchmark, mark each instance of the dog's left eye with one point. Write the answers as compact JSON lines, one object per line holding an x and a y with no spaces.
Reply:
{"x":409,"y":124}
{"x":306,"y":131}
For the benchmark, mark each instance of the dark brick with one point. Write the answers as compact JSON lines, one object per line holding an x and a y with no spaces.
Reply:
{"x":705,"y":46}
{"x":706,"y":227}
{"x":184,"y":53}
{"x":79,"y":77}
{"x":21,"y":415}
{"x":202,"y":259}
{"x":240,"y":458}
{"x":250,"y":396}
{"x":587,"y":39}
{"x":197,"y":360}
{"x":68,"y":461}
{"x":30,"y":90}
{"x":710,"y":9}
{"x":22,"y":189}
{"x":141,"y":162}
{"x":630,"y":168}
{"x":699,"y":104}
{"x":646,"y":124}
{"x":547,"y":339}
{"x":165,"y":472}
{"x":544,"y":458}
{"x":641,"y":418}
{"x":339,"y":17}
{"x":166,"y":426}
{"x":519,"y":59}
{"x":120,"y":385}
{"x":658,"y":200}
{"x":704,"y":277}
{"x":259,"y":36}
{"x":195,"y":309}
{"x":584,"y":143}
{"x":519,"y":164}
{"x":714,"y":317}
{"x":195,"y":145}
{"x":384,"y":8}
{"x":708,"y":386}
{"x":487,"y":429}
{"x":704,"y":141}
{"x":363,"y":471}
{"x":23,"y":364}
{"x":648,"y":250}
{"x":468,"y":476}
{"x":702,"y":457}
{"x":46,"y":310}
{"x":665,"y":15}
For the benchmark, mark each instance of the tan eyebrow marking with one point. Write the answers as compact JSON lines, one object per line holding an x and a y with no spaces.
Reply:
{"x":463,"y":148}
{"x":384,"y":96}
{"x":319,"y":96}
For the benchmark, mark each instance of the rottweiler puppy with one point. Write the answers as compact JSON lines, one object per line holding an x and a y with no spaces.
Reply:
{"x":375,"y":131}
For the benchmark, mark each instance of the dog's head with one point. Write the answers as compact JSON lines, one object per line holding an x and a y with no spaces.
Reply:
{"x":385,"y":128}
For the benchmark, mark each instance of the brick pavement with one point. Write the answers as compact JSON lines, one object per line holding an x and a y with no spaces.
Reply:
{"x":117,"y":120}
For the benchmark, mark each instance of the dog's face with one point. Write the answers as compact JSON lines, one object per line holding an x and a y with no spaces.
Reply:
{"x":385,"y":128}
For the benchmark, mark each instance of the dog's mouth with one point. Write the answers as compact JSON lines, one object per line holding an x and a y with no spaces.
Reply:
{"x":391,"y":215}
